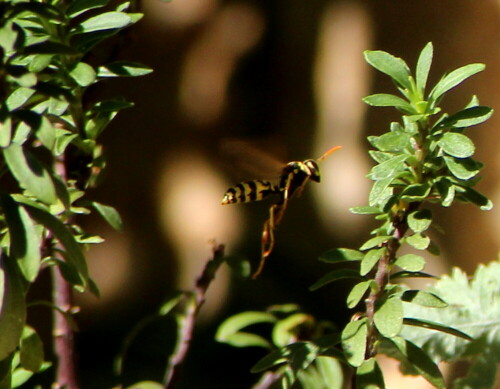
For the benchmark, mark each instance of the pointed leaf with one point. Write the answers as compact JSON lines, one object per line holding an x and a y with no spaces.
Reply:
{"x":388,"y":168}
{"x":73,"y":252}
{"x":423,"y":298}
{"x":375,"y":242}
{"x":12,"y":307}
{"x":105,"y":21}
{"x":467,"y":118}
{"x":229,"y":331}
{"x":123,"y":69}
{"x":357,"y":293}
{"x":341,"y":255}
{"x":25,"y":239}
{"x":420,"y":361}
{"x":380,"y":192}
{"x":109,"y":214}
{"x":370,"y":260}
{"x":334,"y":276}
{"x":30,"y":174}
{"x":78,"y":7}
{"x":388,"y":100}
{"x":354,"y":341}
{"x":473,"y":196}
{"x":423,"y":67}
{"x":31,"y":350}
{"x":436,"y":326}
{"x":454,"y":78}
{"x":394,"y":67}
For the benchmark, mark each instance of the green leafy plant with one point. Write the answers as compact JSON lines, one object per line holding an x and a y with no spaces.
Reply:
{"x":50,"y":155}
{"x":423,"y":161}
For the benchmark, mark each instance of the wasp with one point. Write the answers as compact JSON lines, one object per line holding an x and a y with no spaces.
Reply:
{"x":292,"y":180}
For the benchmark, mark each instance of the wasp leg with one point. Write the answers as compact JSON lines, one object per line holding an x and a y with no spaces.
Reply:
{"x":267,"y":240}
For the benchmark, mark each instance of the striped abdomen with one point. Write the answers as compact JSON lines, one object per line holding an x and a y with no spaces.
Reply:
{"x":248,"y":191}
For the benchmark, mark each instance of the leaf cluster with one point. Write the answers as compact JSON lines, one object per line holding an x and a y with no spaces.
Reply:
{"x":50,"y":150}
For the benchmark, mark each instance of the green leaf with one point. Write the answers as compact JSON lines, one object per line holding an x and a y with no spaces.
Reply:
{"x":18,"y":98}
{"x":423,"y":66}
{"x":83,"y":74}
{"x":109,"y":214}
{"x":354,"y":341}
{"x":388,"y":168}
{"x":388,"y":100}
{"x":463,"y":168}
{"x":466,"y":118}
{"x":123,"y":69}
{"x":274,"y":358}
{"x":408,"y":274}
{"x":419,"y":361}
{"x":330,"y":370}
{"x":410,"y":262}
{"x":380,"y":192}
{"x":420,"y":220}
{"x":418,"y":241}
{"x":334,"y":276}
{"x":474,"y":197}
{"x":105,"y":21}
{"x":375,"y":242}
{"x":73,"y":253}
{"x":30,"y":174}
{"x":341,"y":255}
{"x":423,"y":298}
{"x":31,"y":350}
{"x":454,"y":78}
{"x":430,"y":325}
{"x":395,"y":141}
{"x":229,"y":331}
{"x":388,"y":317}
{"x":25,"y":238}
{"x":415,"y":192}
{"x":394,"y":67}
{"x":357,"y":293}
{"x":457,"y":145}
{"x":12,"y":307}
{"x":285,"y":330}
{"x":365,"y":210}
{"x":78,"y":7}
{"x":5,"y":130}
{"x":370,"y":260}
{"x":446,"y":190}
{"x":369,"y":375}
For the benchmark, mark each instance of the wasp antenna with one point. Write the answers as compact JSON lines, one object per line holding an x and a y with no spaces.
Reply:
{"x":334,"y":148}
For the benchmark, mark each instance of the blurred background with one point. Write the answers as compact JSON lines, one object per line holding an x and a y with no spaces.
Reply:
{"x":286,"y":78}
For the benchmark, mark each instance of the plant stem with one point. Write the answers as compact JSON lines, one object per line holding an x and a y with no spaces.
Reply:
{"x":186,"y":320}
{"x":62,"y":330}
{"x":63,"y":333}
{"x":400,"y":225}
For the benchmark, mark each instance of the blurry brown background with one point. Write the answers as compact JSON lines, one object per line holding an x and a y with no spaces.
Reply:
{"x":287,"y":77}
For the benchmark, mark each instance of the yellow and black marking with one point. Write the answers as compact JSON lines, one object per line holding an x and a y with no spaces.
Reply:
{"x":248,"y":191}
{"x":293,"y":178}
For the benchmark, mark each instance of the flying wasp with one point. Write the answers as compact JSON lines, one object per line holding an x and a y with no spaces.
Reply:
{"x":292,"y":180}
